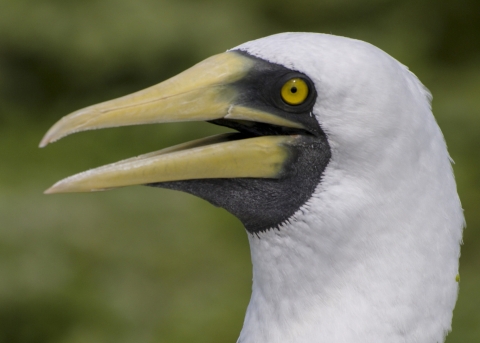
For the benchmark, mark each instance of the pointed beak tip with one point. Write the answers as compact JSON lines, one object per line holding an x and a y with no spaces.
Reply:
{"x":47,"y":139}
{"x":56,"y":188}
{"x":49,"y":191}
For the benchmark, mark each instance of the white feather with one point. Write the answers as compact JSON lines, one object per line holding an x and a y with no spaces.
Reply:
{"x":373,"y":255}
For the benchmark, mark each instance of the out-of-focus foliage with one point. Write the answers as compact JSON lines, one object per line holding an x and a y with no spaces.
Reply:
{"x":150,"y":265}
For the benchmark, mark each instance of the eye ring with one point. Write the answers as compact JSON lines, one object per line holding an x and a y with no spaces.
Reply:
{"x":295,"y":91}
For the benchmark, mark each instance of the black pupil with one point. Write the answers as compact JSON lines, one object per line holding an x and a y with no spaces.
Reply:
{"x":293,"y":89}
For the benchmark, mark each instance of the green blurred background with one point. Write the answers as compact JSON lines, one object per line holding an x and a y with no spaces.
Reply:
{"x":150,"y":265}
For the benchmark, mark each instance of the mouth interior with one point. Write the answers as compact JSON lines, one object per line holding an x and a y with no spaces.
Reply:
{"x":250,"y":129}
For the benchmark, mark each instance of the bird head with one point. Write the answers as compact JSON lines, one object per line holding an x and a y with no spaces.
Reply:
{"x":282,"y":95}
{"x":337,"y":169}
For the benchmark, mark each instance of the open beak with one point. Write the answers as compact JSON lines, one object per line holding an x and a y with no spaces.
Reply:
{"x":208,"y":91}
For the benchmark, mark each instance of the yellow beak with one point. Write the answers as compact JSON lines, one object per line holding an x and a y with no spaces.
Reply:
{"x":204,"y":92}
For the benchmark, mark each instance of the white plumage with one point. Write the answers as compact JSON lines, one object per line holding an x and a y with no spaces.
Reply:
{"x":373,"y":255}
{"x":368,"y":255}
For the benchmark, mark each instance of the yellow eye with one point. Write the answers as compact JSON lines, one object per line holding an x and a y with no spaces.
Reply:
{"x":294,"y":91}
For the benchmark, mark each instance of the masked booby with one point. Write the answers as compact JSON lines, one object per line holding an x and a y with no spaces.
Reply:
{"x":338,"y":170}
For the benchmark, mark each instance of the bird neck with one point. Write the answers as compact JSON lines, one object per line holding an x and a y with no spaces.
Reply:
{"x":359,"y":268}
